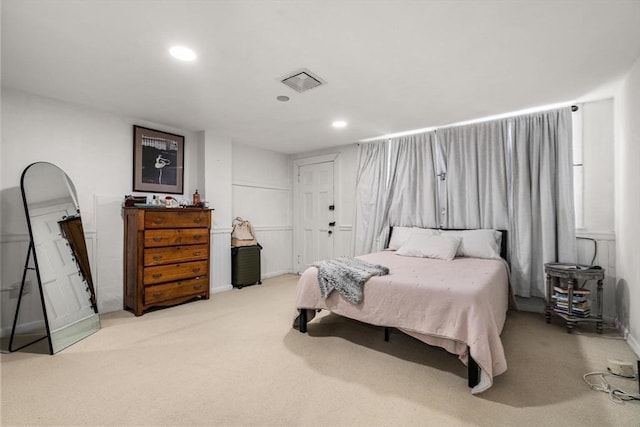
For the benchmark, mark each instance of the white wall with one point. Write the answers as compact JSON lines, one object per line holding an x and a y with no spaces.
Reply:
{"x":627,"y":205}
{"x":598,"y":158}
{"x":216,"y":151}
{"x":95,"y":149}
{"x":262,"y":195}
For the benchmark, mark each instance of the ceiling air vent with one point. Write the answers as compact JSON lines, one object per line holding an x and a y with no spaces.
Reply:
{"x":302,"y":80}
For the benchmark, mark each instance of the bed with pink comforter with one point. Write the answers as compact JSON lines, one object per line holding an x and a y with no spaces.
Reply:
{"x":459,"y":305}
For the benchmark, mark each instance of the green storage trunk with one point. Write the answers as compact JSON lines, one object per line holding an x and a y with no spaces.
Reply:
{"x":245,"y":266}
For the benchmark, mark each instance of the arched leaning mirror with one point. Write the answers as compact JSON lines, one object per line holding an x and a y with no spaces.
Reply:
{"x":58,"y":254}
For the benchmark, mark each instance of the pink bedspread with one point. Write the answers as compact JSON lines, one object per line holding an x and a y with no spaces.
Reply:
{"x":450,"y":304}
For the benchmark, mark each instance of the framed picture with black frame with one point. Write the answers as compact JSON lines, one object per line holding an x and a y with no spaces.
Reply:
{"x":158,"y":161}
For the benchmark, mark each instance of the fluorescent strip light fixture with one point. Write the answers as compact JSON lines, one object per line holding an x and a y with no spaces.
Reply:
{"x":468,"y":122}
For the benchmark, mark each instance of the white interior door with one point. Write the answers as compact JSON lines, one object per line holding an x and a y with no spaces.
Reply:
{"x":316,"y":221}
{"x":66,"y":297}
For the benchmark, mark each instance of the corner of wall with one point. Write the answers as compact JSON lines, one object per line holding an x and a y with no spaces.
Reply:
{"x":627,"y":204}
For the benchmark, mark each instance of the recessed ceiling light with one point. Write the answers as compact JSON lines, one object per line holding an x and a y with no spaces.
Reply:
{"x":339,"y":124}
{"x":282,"y":98}
{"x":182,"y":53}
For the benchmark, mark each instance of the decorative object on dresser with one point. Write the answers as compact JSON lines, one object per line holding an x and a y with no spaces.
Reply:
{"x":569,"y":299}
{"x":166,"y":256}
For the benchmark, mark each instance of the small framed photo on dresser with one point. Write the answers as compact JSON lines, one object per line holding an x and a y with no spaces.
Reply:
{"x":158,"y":161}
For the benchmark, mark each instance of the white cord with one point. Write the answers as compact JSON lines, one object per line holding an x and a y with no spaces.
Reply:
{"x":616,"y":394}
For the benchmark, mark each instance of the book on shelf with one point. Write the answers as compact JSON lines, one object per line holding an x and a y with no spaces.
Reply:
{"x":575,"y":305}
{"x":577,"y":313}
{"x":565,"y":291}
{"x":580,"y":303}
{"x":564,"y":298}
{"x":581,"y":314}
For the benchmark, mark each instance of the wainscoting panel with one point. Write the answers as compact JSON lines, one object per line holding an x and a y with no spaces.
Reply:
{"x":220,"y":269}
{"x":275,"y":257}
{"x":107,"y":273}
{"x":344,"y":246}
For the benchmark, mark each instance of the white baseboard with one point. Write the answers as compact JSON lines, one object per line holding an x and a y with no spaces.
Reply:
{"x":634,"y":344}
{"x":277,"y":273}
{"x":220,"y":289}
{"x":631,"y":340}
{"x":265,"y":276}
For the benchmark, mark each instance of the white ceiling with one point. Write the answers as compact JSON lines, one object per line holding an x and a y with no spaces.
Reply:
{"x":390,"y":66}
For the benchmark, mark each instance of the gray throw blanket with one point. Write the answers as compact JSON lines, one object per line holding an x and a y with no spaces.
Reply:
{"x":347,"y":276}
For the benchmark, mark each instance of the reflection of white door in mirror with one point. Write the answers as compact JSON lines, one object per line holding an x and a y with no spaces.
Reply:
{"x":58,"y":254}
{"x":66,"y":294}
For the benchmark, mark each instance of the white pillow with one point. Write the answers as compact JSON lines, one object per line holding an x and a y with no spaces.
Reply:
{"x":430,"y":246}
{"x":482,"y":243}
{"x":399,"y":235}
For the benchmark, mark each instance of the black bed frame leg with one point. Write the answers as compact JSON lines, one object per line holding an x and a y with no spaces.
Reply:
{"x":386,"y":333}
{"x":302,"y":320}
{"x":473,"y":370}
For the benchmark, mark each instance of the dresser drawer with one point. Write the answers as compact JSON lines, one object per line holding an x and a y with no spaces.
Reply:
{"x":171,"y":272}
{"x":176,"y":219}
{"x":184,"y":236}
{"x":169,"y":291}
{"x":173,"y":254}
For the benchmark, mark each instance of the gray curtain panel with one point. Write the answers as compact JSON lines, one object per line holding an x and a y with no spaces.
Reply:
{"x":370,"y":201}
{"x":542,"y":221}
{"x":475,"y":180}
{"x":411,"y":193}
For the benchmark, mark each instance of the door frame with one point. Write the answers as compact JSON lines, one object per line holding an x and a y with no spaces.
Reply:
{"x":326,"y":158}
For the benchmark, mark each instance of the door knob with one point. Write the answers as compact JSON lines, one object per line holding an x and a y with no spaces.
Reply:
{"x":332,"y":224}
{"x":330,"y":232}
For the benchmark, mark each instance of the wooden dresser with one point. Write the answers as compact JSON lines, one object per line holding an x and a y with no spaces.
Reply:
{"x":166,"y":256}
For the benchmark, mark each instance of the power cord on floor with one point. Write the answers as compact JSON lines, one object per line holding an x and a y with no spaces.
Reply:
{"x":616,"y":394}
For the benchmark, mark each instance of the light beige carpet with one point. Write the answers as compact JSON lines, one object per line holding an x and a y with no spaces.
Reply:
{"x":234,"y":360}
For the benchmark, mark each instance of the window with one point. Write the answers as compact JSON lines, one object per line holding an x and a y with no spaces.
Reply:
{"x":578,"y":169}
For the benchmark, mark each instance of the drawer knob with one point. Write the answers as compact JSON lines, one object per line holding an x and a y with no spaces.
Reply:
{"x":197,"y":253}
{"x":196,"y":287}
{"x":158,"y":220}
{"x":157,"y":239}
{"x":156,"y":275}
{"x":197,"y":237}
{"x":195,"y":269}
{"x":158,"y":294}
{"x":157,"y":257}
{"x":197,"y":220}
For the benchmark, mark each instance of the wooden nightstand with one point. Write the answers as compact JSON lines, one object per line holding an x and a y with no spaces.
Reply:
{"x":557,"y":273}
